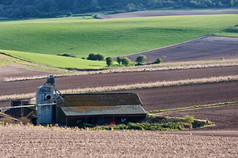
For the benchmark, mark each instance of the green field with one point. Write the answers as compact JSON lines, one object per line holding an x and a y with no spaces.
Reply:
{"x":6,"y":60}
{"x":56,"y":61}
{"x":112,"y":37}
{"x":230,"y":32}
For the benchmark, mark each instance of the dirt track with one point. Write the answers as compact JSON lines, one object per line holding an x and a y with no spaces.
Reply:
{"x":168,"y":13}
{"x":205,"y":48}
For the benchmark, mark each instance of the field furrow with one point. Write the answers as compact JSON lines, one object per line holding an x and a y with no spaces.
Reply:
{"x":27,"y":141}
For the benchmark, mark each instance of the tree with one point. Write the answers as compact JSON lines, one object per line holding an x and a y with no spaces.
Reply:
{"x":93,"y":56}
{"x":109,"y":61}
{"x":54,"y":8}
{"x":69,"y":14}
{"x":141,"y":59}
{"x":158,"y":61}
{"x":119,"y":60}
{"x":125,"y":61}
{"x":100,"y":57}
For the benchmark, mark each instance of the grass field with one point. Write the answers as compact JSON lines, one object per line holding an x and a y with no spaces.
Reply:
{"x":109,"y":37}
{"x":113,"y":37}
{"x":230,"y":32}
{"x":56,"y":61}
{"x":5,"y":60}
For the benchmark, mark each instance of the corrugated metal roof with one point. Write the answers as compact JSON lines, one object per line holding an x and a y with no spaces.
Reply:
{"x":103,"y":110}
{"x":101,"y":99}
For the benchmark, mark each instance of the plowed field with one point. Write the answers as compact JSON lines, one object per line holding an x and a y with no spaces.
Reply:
{"x":7,"y":88}
{"x":18,"y":71}
{"x":184,"y":96}
{"x":225,"y":117}
{"x":44,"y":142}
{"x":155,"y":98}
{"x":205,"y":48}
{"x":168,"y":13}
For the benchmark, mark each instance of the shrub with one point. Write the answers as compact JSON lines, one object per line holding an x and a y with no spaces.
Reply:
{"x":109,"y":61}
{"x":95,"y":16}
{"x":69,"y":14}
{"x":93,"y":56}
{"x":197,"y":124}
{"x":119,"y":60}
{"x":189,"y":119}
{"x":158,"y":61}
{"x":135,"y":126}
{"x":88,"y":125}
{"x":141,"y":59}
{"x":125,"y":61}
{"x":67,"y":55}
{"x":100,"y":57}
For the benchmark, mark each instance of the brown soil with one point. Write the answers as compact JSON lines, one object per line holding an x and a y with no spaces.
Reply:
{"x":5,"y":103}
{"x":7,"y":88}
{"x":168,"y":13}
{"x":25,"y":141}
{"x":163,"y":98}
{"x":225,"y":117}
{"x":208,"y":132}
{"x":156,"y":98}
{"x":185,"y":96}
{"x":18,"y":71}
{"x":205,"y":48}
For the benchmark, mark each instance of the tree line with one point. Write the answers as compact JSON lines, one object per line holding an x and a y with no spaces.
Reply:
{"x":140,"y":60}
{"x":54,"y":8}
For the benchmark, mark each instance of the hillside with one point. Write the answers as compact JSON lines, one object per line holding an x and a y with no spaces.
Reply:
{"x":53,"y":8}
{"x":112,"y":37}
{"x":109,"y":37}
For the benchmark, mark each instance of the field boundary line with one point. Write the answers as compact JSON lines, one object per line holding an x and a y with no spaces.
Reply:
{"x":172,"y":45}
{"x":136,"y":86}
{"x":193,"y":107}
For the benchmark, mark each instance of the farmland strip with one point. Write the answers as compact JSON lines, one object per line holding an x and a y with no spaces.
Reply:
{"x":157,"y":84}
{"x":177,"y":66}
{"x":194,"y":107}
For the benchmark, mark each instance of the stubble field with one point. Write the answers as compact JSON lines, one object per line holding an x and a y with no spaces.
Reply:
{"x":18,"y":141}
